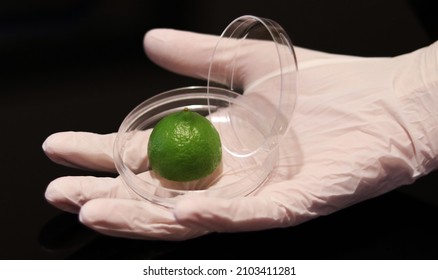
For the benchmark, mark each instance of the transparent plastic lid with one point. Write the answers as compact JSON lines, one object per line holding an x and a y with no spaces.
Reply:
{"x":255,"y":57}
{"x":249,"y":98}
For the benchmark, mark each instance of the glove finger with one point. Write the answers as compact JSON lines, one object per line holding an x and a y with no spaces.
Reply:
{"x":71,"y":193}
{"x":95,"y":151}
{"x":230,"y":215}
{"x":134,"y":219}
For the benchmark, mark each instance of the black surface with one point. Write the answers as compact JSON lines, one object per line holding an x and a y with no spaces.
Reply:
{"x":80,"y":66}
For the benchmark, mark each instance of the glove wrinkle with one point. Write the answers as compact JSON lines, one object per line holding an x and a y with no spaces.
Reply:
{"x":222,"y":215}
{"x":417,"y":86}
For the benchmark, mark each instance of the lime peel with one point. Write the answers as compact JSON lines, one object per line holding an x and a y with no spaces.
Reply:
{"x":184,"y":146}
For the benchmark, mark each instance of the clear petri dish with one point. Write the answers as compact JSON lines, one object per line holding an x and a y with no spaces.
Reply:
{"x":249,"y":98}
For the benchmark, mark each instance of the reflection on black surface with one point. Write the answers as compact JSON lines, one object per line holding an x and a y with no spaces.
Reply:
{"x":65,"y":232}
{"x":106,"y":247}
{"x":393,"y":226}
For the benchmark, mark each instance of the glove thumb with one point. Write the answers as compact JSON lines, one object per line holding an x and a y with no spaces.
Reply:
{"x":182,"y":52}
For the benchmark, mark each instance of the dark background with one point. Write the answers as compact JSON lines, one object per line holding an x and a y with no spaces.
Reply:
{"x":80,"y":65}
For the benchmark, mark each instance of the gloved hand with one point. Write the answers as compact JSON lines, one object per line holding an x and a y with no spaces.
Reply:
{"x":364,"y":127}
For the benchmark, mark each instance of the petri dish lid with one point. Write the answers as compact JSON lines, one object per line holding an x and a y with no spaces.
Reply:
{"x":255,"y":58}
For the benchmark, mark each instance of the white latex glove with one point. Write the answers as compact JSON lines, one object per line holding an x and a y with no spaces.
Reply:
{"x":364,"y":127}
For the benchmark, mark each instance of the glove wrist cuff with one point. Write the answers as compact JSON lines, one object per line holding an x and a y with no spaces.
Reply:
{"x":417,"y":87}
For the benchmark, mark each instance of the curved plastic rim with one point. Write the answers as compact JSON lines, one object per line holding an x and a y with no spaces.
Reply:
{"x":238,"y":29}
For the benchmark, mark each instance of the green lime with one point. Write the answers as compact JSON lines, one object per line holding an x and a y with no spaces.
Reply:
{"x":184,"y":146}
